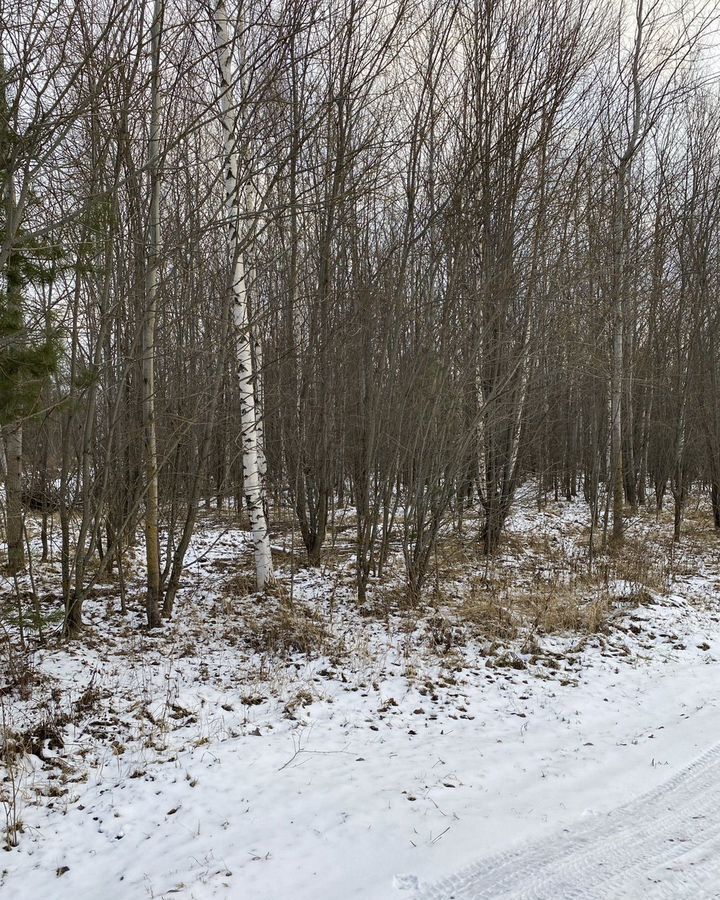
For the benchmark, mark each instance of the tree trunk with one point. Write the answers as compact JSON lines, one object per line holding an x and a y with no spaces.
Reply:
{"x":152,"y":542}
{"x":616,"y":467}
{"x":248,"y":418}
{"x":715,"y":500}
{"x":13,"y":435}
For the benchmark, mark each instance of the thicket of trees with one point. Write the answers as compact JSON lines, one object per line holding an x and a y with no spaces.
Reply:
{"x":397,"y":254}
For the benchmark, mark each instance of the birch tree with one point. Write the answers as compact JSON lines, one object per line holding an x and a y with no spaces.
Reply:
{"x":235,"y":207}
{"x":152,"y":540}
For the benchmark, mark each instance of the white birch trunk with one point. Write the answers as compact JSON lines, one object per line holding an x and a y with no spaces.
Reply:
{"x":482,"y":464}
{"x":248,"y":418}
{"x":521,"y":397}
{"x":152,"y":544}
{"x":253,"y":207}
{"x":259,"y":414}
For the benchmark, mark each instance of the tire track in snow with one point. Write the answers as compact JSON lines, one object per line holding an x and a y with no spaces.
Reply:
{"x":664,"y":845}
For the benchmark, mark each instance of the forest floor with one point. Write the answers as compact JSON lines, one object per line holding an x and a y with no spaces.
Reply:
{"x":297,"y":745}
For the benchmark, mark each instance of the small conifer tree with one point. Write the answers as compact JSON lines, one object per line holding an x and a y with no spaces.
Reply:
{"x":29,"y":344}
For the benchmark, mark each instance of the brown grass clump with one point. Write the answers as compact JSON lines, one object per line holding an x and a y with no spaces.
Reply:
{"x":562,"y":608}
{"x":244,"y":584}
{"x":596,"y":616}
{"x":545,"y":592}
{"x":638,"y":561}
{"x":541,"y":583}
{"x":557,"y":609}
{"x":288,"y":629}
{"x":487,"y":616}
{"x":241,"y":585}
{"x":17,"y":672}
{"x":443,"y":633}
{"x":384,"y":601}
{"x":454,"y":552}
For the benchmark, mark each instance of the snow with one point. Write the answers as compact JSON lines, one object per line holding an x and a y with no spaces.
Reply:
{"x":204,"y":768}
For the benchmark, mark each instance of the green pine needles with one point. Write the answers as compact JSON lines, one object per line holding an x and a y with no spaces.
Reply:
{"x":28,"y":355}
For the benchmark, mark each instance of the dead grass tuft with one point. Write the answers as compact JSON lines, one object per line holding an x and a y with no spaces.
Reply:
{"x":17,"y":673}
{"x":288,"y":629}
{"x":487,"y":616}
{"x":240,"y":585}
{"x":444,"y":634}
{"x":385,"y":601}
{"x":638,"y":561}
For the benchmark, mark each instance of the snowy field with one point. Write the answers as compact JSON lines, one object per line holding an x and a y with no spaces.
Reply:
{"x":342,"y":753}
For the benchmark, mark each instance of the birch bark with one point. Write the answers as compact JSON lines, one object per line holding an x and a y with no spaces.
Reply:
{"x":233,"y":204}
{"x":152,"y":544}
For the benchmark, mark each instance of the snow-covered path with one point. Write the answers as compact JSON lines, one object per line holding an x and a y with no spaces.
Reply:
{"x":666,"y":844}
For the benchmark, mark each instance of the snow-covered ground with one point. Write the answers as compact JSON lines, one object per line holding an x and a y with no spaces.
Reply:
{"x":210,"y":760}
{"x":662,"y":845}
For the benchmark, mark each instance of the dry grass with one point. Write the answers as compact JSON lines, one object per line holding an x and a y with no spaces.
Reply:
{"x":241,"y":585}
{"x":555,"y":609}
{"x":286,"y":629}
{"x":17,"y":673}
{"x":639,"y":561}
{"x":244,"y":585}
{"x":486,"y":615}
{"x":541,"y":584}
